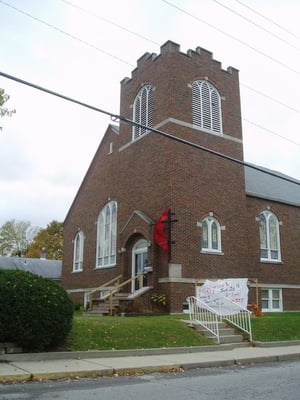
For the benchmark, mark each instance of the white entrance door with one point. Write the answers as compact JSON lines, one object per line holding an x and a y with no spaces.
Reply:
{"x":139,"y":261}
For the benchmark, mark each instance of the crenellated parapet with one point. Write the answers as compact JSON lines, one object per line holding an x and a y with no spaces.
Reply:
{"x":171,"y":48}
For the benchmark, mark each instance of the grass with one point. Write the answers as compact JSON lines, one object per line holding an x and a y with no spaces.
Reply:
{"x":276,"y":327}
{"x":120,"y":333}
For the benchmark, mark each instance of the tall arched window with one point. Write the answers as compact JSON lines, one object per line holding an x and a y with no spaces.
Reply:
{"x":142,"y":111}
{"x":107,"y":236}
{"x":78,"y":252}
{"x":211,"y":235}
{"x":269,"y":237}
{"x":206,"y":103}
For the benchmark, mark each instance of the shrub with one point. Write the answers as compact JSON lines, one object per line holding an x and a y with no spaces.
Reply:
{"x":35,"y":313}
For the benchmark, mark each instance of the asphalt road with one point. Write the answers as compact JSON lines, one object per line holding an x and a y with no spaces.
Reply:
{"x":276,"y":381}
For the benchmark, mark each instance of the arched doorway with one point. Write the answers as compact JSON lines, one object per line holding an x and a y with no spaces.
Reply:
{"x":139,"y":262}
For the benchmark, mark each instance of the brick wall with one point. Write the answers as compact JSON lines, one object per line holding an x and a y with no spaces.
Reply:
{"x":154,"y":172}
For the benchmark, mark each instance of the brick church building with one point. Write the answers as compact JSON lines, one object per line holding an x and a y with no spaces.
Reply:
{"x":229,"y":220}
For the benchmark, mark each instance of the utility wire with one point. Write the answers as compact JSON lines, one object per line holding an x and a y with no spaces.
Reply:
{"x":233,"y":38}
{"x":270,"y":131}
{"x":158,"y":44}
{"x":267,"y":19}
{"x":271,"y":98}
{"x":118,"y":58}
{"x":66,"y":33}
{"x":255,"y":24}
{"x":126,"y":62}
{"x":108,"y":21}
{"x":116,"y":117}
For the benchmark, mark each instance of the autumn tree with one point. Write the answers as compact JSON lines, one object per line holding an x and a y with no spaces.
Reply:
{"x":4,"y":97}
{"x":16,"y":237}
{"x":48,"y":241}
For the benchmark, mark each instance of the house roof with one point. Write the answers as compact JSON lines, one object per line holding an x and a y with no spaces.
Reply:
{"x":50,"y":269}
{"x":266,"y":186}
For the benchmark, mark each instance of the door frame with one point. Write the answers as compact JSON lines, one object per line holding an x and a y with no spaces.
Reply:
{"x":139,"y":247}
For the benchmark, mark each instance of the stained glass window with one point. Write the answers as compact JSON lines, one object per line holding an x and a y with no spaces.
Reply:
{"x":106,"y":236}
{"x":211,"y":235}
{"x":269,"y":237}
{"x":78,"y":252}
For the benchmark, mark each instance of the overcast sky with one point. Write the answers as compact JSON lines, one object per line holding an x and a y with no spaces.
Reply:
{"x":84,"y":48}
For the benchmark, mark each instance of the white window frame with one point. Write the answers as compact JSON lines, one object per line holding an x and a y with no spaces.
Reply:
{"x":142,"y":111}
{"x":107,"y":236}
{"x":267,"y":302}
{"x":269,"y":239}
{"x":211,"y":222}
{"x":206,"y":105}
{"x":78,"y":252}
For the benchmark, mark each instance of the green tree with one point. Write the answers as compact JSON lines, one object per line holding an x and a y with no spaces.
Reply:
{"x":48,"y":240}
{"x":15,"y":237}
{"x":4,"y":97}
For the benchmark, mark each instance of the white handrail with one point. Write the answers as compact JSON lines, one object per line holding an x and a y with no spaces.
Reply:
{"x":218,"y":309}
{"x":200,"y":313}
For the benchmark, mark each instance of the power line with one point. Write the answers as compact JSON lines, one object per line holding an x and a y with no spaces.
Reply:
{"x":112,"y":55}
{"x":271,"y":98}
{"x":267,"y":19}
{"x":66,"y":33}
{"x":233,"y":37}
{"x":158,"y":44}
{"x":256,"y":24}
{"x":125,"y":120}
{"x":108,"y":21}
{"x":126,"y":62}
{"x":270,"y":131}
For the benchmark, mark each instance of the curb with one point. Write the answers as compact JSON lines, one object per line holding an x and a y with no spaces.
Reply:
{"x":76,"y":355}
{"x":75,"y":365}
{"x":26,"y":376}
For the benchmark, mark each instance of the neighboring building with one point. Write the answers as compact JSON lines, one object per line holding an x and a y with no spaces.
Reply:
{"x":50,"y":269}
{"x":232,"y":221}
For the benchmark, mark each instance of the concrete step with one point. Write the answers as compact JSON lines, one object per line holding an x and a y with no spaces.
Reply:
{"x":232,"y":339}
{"x":96,"y":303}
{"x":227,"y":334}
{"x":222,"y":331}
{"x":122,"y":296}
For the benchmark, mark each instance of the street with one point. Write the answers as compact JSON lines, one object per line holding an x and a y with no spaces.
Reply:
{"x":272,"y":381}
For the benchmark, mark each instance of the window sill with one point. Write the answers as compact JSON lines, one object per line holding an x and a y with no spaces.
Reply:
{"x":214,"y":253}
{"x":77,"y":271}
{"x":104,"y":267}
{"x":277,"y":262}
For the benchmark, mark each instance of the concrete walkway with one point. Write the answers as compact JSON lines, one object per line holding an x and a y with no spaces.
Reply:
{"x":45,"y":366}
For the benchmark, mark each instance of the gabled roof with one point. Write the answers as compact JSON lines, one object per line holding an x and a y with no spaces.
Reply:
{"x":110,"y":129}
{"x":140,"y":214}
{"x":266,"y":186}
{"x":50,"y":269}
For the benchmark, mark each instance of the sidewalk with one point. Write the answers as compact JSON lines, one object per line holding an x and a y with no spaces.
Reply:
{"x":45,"y":366}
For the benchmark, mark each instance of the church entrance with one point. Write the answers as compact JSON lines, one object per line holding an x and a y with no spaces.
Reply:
{"x":139,"y":262}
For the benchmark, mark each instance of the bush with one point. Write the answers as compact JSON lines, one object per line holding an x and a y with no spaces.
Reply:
{"x":35,"y":313}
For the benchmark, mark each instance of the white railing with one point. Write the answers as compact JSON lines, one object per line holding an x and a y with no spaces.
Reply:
{"x":200,"y":313}
{"x":110,"y":291}
{"x":217,"y":310}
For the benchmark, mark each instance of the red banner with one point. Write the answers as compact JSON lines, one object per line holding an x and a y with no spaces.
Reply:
{"x":161,"y":231}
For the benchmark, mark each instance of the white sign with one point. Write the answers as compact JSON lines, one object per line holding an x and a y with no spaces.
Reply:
{"x":214,"y":293}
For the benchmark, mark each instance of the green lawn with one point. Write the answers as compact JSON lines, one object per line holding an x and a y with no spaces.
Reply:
{"x":120,"y":333}
{"x":106,"y":333}
{"x":276,"y":327}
